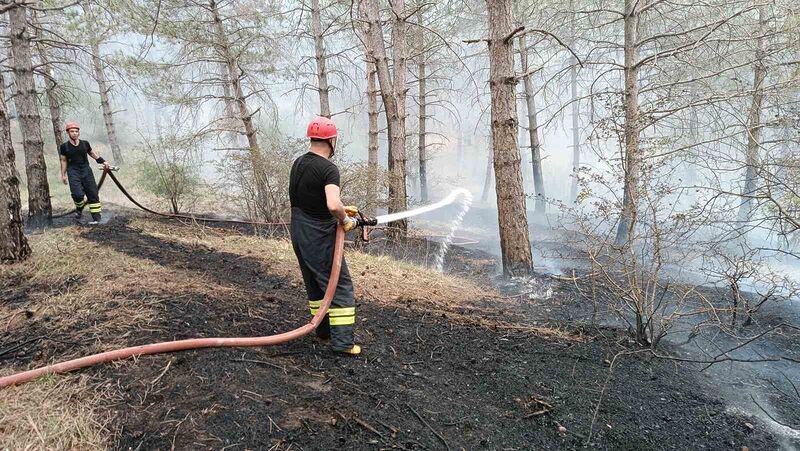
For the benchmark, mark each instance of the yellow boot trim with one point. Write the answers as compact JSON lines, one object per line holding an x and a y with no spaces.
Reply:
{"x":342,"y":311}
{"x":342,"y":316}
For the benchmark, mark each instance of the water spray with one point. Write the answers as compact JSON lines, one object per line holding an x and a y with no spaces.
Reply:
{"x":466,"y":203}
{"x":384,"y":219}
{"x":458,"y":193}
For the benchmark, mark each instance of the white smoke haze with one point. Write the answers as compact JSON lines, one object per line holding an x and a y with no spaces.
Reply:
{"x":699,"y":223}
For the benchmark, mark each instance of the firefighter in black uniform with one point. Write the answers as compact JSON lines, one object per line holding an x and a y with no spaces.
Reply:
{"x":317,"y":209}
{"x":75,"y":169}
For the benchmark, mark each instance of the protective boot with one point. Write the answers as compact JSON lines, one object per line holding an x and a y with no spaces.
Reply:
{"x":79,"y":205}
{"x":95,"y":219}
{"x":354,"y":350}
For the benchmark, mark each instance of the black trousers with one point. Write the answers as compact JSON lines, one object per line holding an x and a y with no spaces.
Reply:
{"x":313,"y":242}
{"x":83,"y":188}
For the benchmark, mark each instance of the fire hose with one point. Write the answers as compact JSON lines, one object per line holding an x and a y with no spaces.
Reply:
{"x":194,"y":343}
{"x":110,"y":173}
{"x":197,"y":343}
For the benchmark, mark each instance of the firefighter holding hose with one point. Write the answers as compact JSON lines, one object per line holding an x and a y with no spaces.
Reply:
{"x":317,"y":209}
{"x":75,"y":170}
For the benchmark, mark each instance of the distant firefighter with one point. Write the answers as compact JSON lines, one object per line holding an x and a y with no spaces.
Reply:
{"x":75,"y":169}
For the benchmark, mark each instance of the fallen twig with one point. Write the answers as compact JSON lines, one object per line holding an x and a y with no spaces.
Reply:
{"x":429,"y":426}
{"x":261,"y":362}
{"x":158,"y":378}
{"x":19,"y":345}
{"x":366,"y":426}
{"x":545,"y":408}
{"x":390,"y":428}
{"x":603,"y":391}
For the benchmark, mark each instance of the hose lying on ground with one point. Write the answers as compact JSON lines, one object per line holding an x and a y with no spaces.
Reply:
{"x":168,"y":215}
{"x":197,"y":343}
{"x":194,"y":343}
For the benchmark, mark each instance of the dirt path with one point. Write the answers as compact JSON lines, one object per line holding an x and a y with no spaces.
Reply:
{"x":424,"y":382}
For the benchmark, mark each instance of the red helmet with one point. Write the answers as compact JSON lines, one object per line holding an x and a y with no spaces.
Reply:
{"x":321,"y":128}
{"x":71,"y":124}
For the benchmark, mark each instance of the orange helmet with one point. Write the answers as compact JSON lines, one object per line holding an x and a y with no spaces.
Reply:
{"x":321,"y":128}
{"x":72,"y":124}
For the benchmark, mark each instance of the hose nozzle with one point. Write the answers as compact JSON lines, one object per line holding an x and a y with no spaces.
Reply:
{"x":364,"y":222}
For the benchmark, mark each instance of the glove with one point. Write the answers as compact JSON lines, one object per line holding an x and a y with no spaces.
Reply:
{"x":351,"y":210}
{"x":349,"y":224}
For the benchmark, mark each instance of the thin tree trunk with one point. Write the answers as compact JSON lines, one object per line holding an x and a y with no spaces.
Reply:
{"x":39,"y":208}
{"x":691,"y":165}
{"x":632,"y":163}
{"x":372,"y":147}
{"x":319,"y":55}
{"x":232,"y":125}
{"x":459,"y":152}
{"x":423,"y":115}
{"x":53,"y":100}
{"x":512,"y":216}
{"x":51,"y":88}
{"x":533,"y":130}
{"x":393,"y":91}
{"x":259,"y":177}
{"x":754,"y":122}
{"x":105,"y":103}
{"x":13,"y":244}
{"x":576,"y":137}
{"x":487,"y":178}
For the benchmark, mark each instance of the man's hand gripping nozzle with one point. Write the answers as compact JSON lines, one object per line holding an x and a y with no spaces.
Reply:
{"x":361,"y":221}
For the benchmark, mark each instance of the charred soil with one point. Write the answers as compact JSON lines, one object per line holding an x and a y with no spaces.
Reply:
{"x":425,"y":380}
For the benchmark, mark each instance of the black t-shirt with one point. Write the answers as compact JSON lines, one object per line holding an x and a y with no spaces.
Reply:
{"x":310,"y":173}
{"x":76,"y":155}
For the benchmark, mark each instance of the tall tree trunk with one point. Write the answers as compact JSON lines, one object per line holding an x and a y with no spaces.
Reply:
{"x":319,"y":55}
{"x":633,"y":162}
{"x":39,"y":208}
{"x":533,"y":130}
{"x":231,"y":123}
{"x":372,"y":147}
{"x":512,"y":216}
{"x":423,"y":114}
{"x":51,"y":88}
{"x":262,"y":194}
{"x":754,"y":121}
{"x":393,"y":92}
{"x":13,"y":244}
{"x":53,"y":100}
{"x":576,"y":137}
{"x":105,"y":103}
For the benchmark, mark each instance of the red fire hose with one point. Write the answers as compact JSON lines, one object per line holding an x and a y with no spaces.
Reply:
{"x":195,"y":343}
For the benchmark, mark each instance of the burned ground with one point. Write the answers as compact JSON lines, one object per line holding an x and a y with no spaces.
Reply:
{"x":428,"y":379}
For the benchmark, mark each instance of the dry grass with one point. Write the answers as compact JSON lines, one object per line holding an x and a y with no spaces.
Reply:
{"x":71,"y":279}
{"x":52,"y":413}
{"x":379,"y":279}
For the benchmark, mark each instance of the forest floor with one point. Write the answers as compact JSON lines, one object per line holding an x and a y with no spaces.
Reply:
{"x":450,"y":361}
